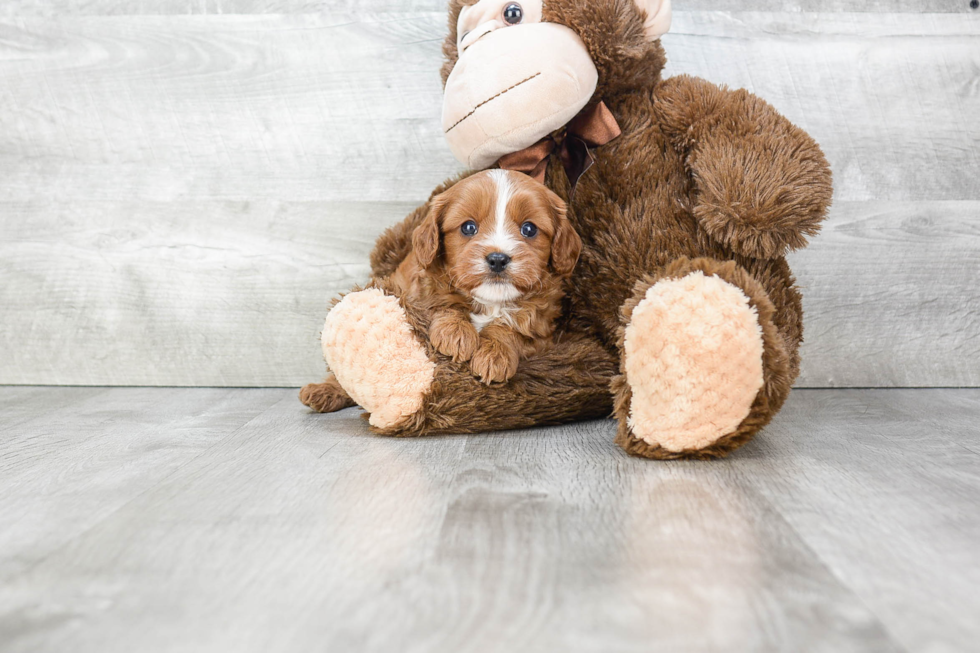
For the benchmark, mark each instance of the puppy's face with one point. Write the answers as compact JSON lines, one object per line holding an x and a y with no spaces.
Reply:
{"x":497,"y":234}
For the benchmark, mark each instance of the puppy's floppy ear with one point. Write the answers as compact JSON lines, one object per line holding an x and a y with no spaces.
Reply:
{"x":426,"y":237}
{"x":566,"y":244}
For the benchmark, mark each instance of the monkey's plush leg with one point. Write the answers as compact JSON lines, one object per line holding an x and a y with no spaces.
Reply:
{"x":378,"y":348}
{"x":326,"y":397}
{"x":375,"y":356}
{"x":703,"y":366}
{"x":567,"y":383}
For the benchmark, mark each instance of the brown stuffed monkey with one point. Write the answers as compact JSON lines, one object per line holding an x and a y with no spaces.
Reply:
{"x":682,"y":319}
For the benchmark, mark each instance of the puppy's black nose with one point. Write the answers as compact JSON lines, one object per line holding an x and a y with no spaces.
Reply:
{"x":497,"y":262}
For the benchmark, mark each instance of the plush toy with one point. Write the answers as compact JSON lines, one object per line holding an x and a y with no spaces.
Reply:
{"x":682,"y":319}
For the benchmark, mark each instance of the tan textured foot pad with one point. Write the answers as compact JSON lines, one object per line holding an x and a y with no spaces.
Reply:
{"x":693,"y":358}
{"x":372,"y":351}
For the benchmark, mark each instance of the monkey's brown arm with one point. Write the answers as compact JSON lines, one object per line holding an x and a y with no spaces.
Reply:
{"x":762,"y":184}
{"x":394,"y":244}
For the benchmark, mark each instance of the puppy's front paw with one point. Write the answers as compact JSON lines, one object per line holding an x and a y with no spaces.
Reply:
{"x":454,"y":337}
{"x":494,"y":363}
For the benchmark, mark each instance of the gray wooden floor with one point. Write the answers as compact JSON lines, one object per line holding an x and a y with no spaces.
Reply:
{"x":202,"y":519}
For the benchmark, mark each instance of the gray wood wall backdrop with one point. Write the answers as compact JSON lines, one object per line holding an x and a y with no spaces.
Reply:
{"x":185,"y":183}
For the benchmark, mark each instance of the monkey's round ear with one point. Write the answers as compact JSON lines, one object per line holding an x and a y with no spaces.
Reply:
{"x":657,"y":17}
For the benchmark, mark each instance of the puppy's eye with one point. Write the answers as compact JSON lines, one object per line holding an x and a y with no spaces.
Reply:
{"x":513,"y":14}
{"x":528,"y":230}
{"x":468,"y":228}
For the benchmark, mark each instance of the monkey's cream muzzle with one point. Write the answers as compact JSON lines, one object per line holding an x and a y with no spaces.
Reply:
{"x":513,"y":86}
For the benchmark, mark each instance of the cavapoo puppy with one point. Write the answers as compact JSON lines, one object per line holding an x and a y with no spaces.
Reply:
{"x":489,"y":261}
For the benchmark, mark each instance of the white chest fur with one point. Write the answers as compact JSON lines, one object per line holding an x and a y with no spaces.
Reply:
{"x":491,"y":312}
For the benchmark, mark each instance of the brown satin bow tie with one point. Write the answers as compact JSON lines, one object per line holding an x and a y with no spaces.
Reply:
{"x":591,"y":128}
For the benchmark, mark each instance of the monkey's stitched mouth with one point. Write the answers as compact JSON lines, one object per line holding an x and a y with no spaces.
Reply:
{"x":491,"y":99}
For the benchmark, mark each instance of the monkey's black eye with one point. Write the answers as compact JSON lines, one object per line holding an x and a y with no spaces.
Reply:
{"x":513,"y":14}
{"x":529,"y":230}
{"x":469,"y":228}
